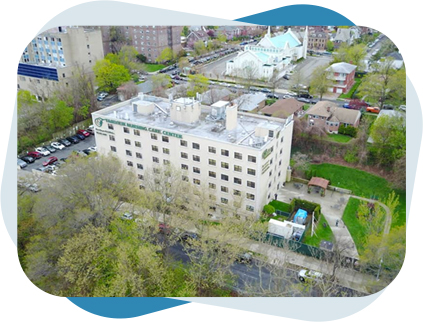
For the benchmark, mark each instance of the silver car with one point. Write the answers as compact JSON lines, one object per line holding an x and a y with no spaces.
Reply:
{"x":22,"y":163}
{"x":308,"y":275}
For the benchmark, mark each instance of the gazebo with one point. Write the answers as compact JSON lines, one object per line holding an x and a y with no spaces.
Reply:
{"x":318,"y":182}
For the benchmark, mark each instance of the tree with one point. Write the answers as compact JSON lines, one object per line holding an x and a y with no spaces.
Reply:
{"x":128,"y":57}
{"x":129,"y":90}
{"x":329,"y":46}
{"x":142,"y":58}
{"x":110,"y":76}
{"x":389,"y":138}
{"x":185,"y":31}
{"x":60,"y":116}
{"x":117,"y":39}
{"x":183,"y":63}
{"x":197,"y":84}
{"x":297,"y":81}
{"x":351,"y":54}
{"x":167,"y":55}
{"x":160,"y":83}
{"x":199,"y":48}
{"x":25,"y":98}
{"x":319,"y":82}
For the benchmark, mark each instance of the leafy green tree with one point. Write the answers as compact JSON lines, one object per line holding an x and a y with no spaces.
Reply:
{"x":319,"y":82}
{"x":329,"y":46}
{"x":110,"y":76}
{"x":199,"y":48}
{"x":351,"y":54}
{"x":161,"y":82}
{"x":25,"y":98}
{"x":167,"y":55}
{"x":185,"y":31}
{"x":60,"y":116}
{"x":142,"y":58}
{"x":183,"y":63}
{"x":197,"y":84}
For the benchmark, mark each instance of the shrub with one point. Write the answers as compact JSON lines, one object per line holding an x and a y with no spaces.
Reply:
{"x":268,"y":209}
{"x":348,"y":130}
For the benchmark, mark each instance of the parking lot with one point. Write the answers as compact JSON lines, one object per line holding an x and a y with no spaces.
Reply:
{"x":88,"y":142}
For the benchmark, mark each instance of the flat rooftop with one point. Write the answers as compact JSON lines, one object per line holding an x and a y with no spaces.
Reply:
{"x":243,"y":134}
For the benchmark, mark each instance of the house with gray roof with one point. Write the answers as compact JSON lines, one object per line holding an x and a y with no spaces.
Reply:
{"x":342,"y":77}
{"x":397,"y":57}
{"x":345,"y":35}
{"x":250,"y":102}
{"x":330,"y":116}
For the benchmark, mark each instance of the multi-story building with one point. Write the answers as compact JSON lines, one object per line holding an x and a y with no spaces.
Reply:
{"x":342,"y":76}
{"x":147,"y":40}
{"x":241,"y":158}
{"x":53,"y":55}
{"x":317,"y":40}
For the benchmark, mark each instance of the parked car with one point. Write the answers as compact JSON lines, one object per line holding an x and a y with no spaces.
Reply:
{"x":254,"y":89}
{"x":272,"y":96}
{"x":35,"y":154}
{"x":286,"y":76}
{"x":306,"y":275}
{"x":127,"y":216}
{"x":57,"y":145}
{"x":388,"y":106}
{"x":65,"y":142}
{"x":83,"y":132}
{"x":188,"y":237}
{"x":402,"y":108}
{"x":304,"y":100}
{"x":346,"y":105}
{"x":73,"y":139}
{"x":373,"y":109}
{"x":87,"y":151}
{"x":305,"y":95}
{"x":80,"y":136}
{"x":43,"y":151}
{"x":102,"y":96}
{"x":49,"y":148}
{"x":49,"y":161}
{"x":21,"y":163}
{"x":245,"y":258}
{"x":28,"y":186}
{"x":265,"y":90}
{"x":314,"y":101}
{"x":287,"y":96}
{"x":28,"y":159}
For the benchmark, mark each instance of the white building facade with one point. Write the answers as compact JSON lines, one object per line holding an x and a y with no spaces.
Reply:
{"x":270,"y":54}
{"x":239,"y":157}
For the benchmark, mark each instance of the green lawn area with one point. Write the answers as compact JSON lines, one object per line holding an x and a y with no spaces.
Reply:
{"x":339,"y":138}
{"x":356,"y":230}
{"x":362,"y":184}
{"x":352,"y":90}
{"x":306,"y":107}
{"x":154,"y":67}
{"x":321,"y":233}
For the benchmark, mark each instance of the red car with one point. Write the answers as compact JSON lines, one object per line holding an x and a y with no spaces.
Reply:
{"x":49,"y":161}
{"x":83,"y":132}
{"x":35,"y":154}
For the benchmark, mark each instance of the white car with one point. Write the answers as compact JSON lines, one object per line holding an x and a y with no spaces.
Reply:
{"x":402,"y":108}
{"x":308,"y":275}
{"x":43,"y":151}
{"x":93,"y":148}
{"x":57,"y":145}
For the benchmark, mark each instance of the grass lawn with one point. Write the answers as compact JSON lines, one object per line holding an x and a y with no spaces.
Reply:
{"x":321,"y":233}
{"x":356,"y":230}
{"x":339,"y":138}
{"x":362,"y":184}
{"x":306,"y":107}
{"x":352,"y":90}
{"x":154,"y":67}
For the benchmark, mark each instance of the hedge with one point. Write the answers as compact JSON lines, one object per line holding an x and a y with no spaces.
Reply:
{"x":306,"y":205}
{"x":348,"y":130}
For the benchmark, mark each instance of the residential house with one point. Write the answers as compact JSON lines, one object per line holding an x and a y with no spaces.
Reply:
{"x":195,"y":36}
{"x":317,"y":40}
{"x":345,"y":35}
{"x":342,"y":75}
{"x":250,"y":102}
{"x":214,"y":95}
{"x":284,"y":108}
{"x":229,"y":31}
{"x":330,"y":116}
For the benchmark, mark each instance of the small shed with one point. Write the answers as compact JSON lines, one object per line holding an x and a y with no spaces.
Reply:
{"x":321,"y":183}
{"x":300,"y":217}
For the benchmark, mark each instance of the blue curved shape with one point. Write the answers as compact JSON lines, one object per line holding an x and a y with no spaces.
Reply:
{"x":124,"y":307}
{"x":300,"y":15}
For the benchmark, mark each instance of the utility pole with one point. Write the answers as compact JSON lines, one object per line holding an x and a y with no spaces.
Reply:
{"x":380,"y":268}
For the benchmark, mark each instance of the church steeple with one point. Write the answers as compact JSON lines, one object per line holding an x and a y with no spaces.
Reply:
{"x":268,"y":32}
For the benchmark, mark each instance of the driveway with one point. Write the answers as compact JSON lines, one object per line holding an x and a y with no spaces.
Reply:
{"x":333,"y":206}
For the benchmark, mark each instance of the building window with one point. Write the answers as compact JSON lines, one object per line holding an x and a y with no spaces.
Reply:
{"x":196,"y":170}
{"x":185,"y":178}
{"x":252,"y":158}
{"x":271,"y":134}
{"x":212,"y":149}
{"x":212,"y":162}
{"x":251,"y":184}
{"x":224,"y":189}
{"x":184,"y":155}
{"x":166,"y":151}
{"x":237,"y":192}
{"x":279,"y":174}
{"x":224,"y":177}
{"x":249,"y":208}
{"x":127,"y":141}
{"x":140,"y":176}
{"x":212,"y":174}
{"x":129,"y":153}
{"x":165,"y":139}
{"x":111,"y":137}
{"x":184,"y":167}
{"x":225,"y":152}
{"x":139,"y":166}
{"x":237,"y":168}
{"x":110,"y":126}
{"x":138,"y":155}
{"x":137,"y":132}
{"x":250,"y":196}
{"x":153,"y":136}
{"x":129,"y":163}
{"x":270,"y":184}
{"x":224,"y":165}
{"x":155,"y":148}
{"x":237,"y":181}
{"x":238,"y":155}
{"x":196,"y":181}
{"x":196,"y":158}
{"x":184,"y":143}
{"x":196,"y":146}
{"x":280,"y":151}
{"x":156,"y":160}
{"x":224,"y":200}
{"x":125,"y":130}
{"x":251,"y":171}
{"x":113,"y":148}
{"x":137,"y":144}
{"x":212,"y":185}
